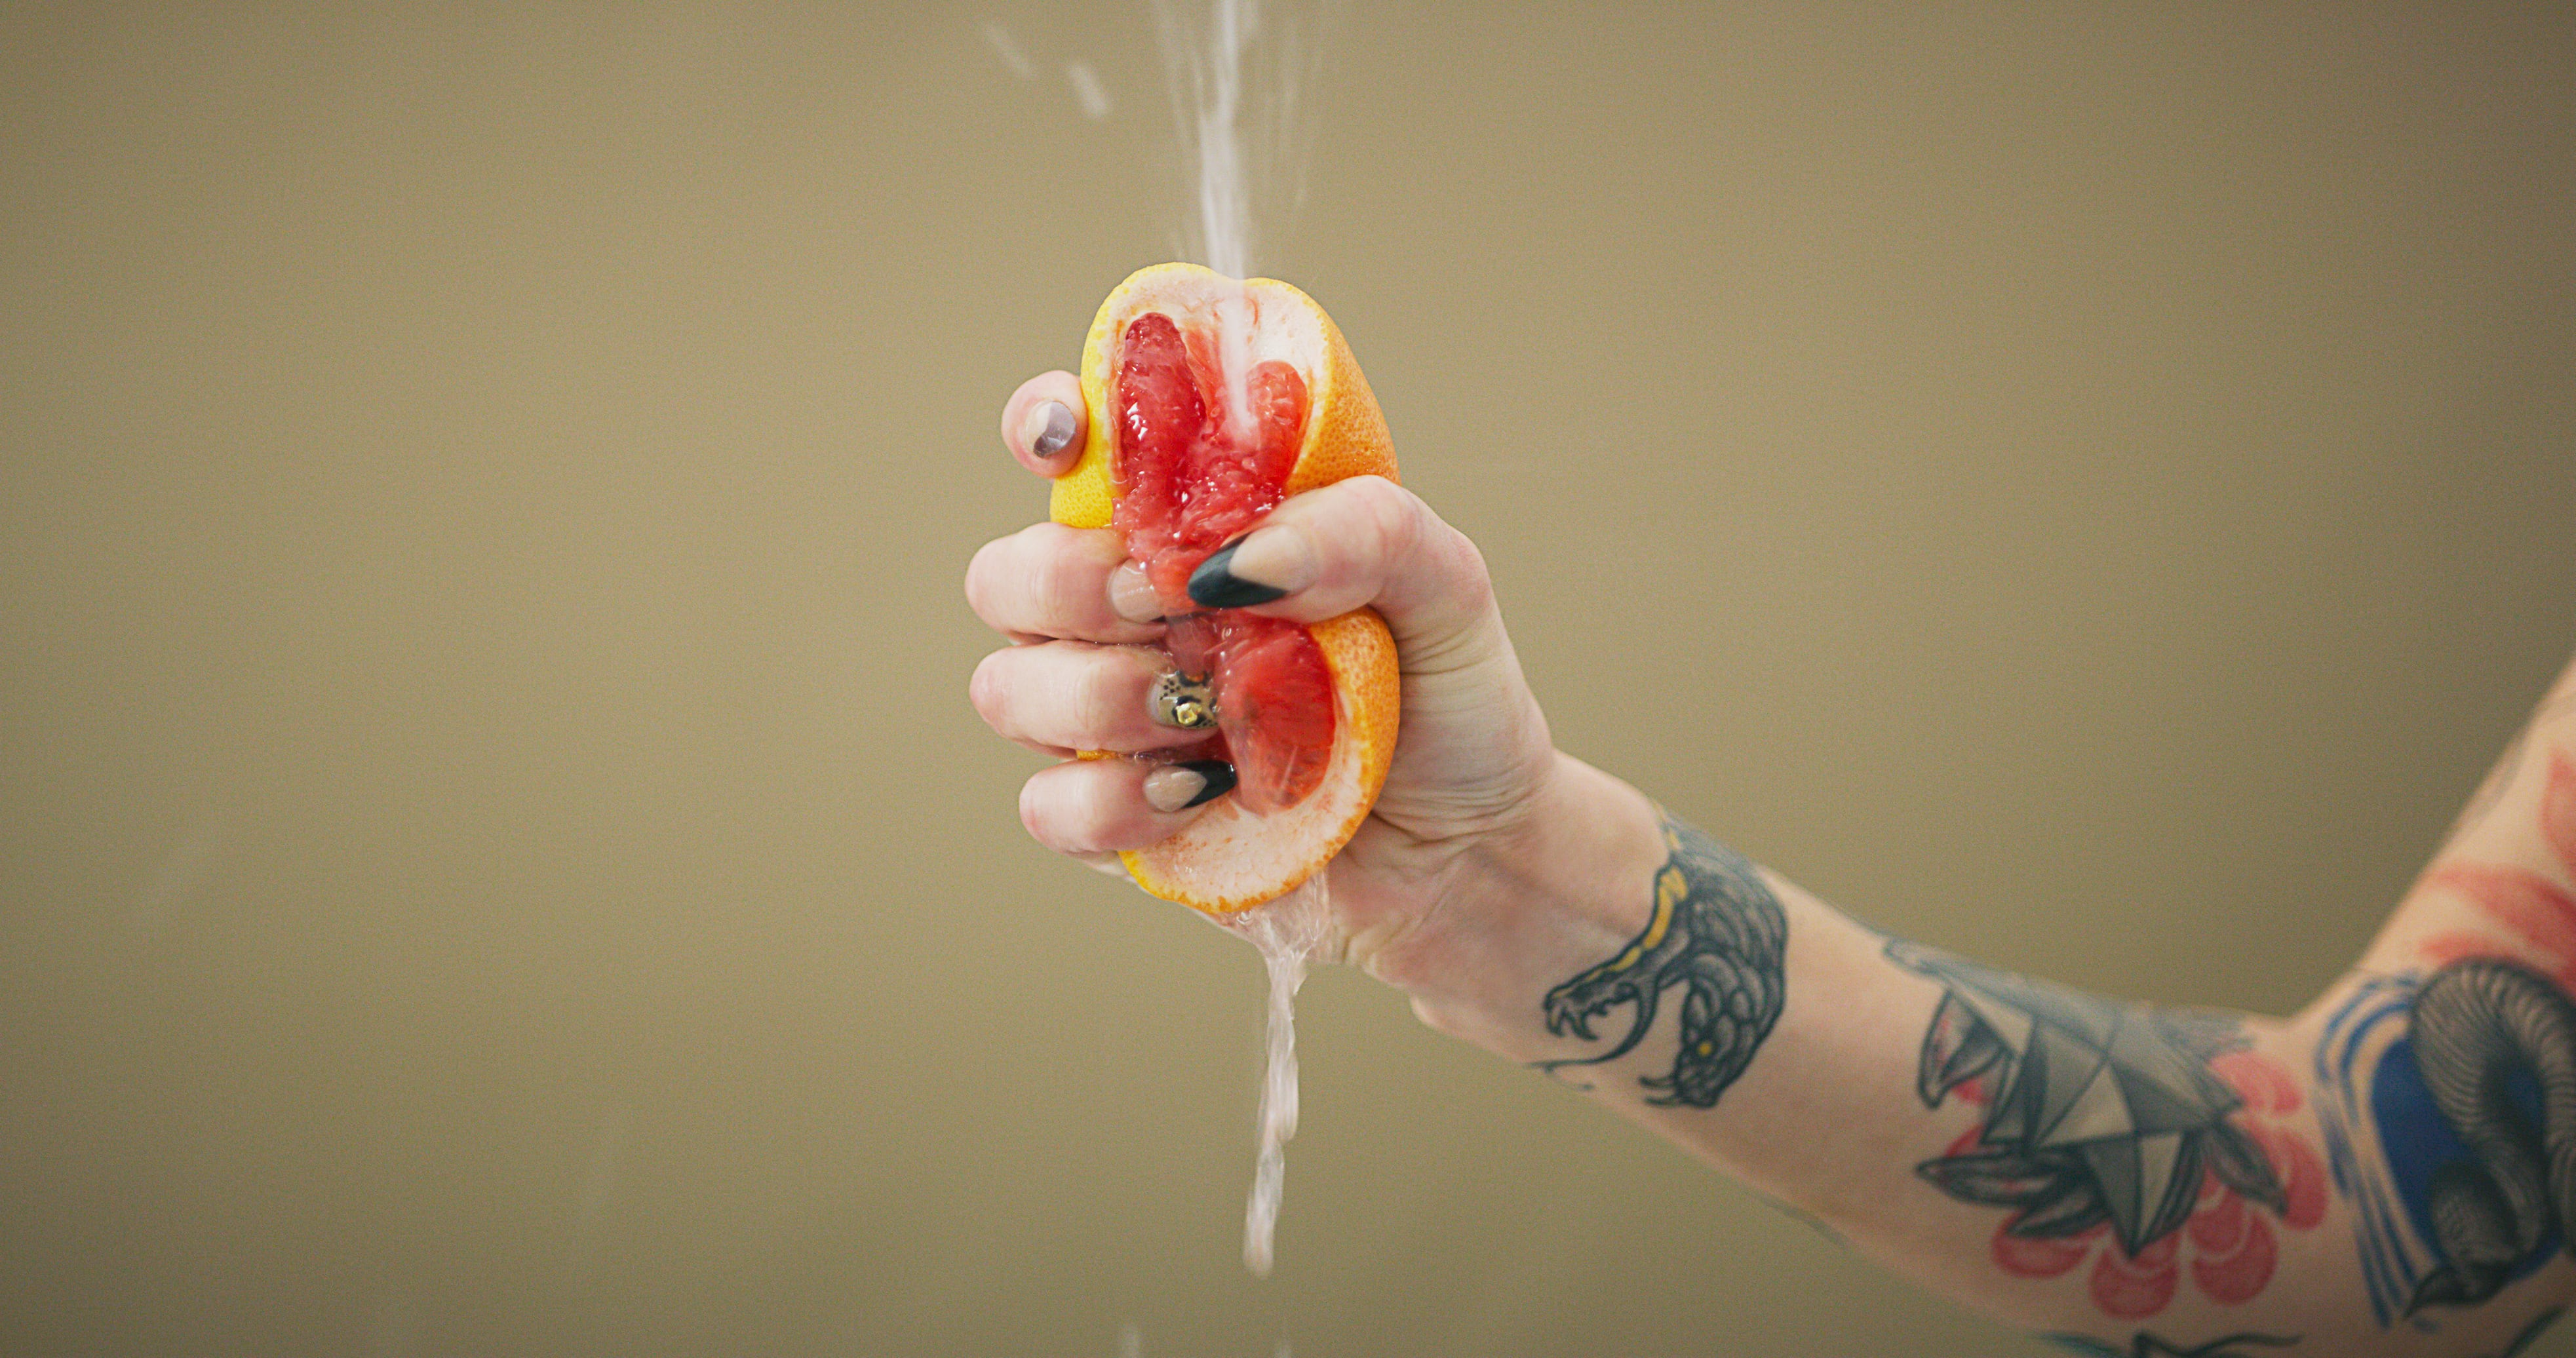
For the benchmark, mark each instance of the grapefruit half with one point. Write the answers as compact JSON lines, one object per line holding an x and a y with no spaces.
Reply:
{"x":1211,"y":400}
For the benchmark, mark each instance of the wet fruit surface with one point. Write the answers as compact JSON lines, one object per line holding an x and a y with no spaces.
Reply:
{"x":1190,"y":476}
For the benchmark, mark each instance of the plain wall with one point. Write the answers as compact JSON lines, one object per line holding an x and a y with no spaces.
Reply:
{"x":496,"y":856}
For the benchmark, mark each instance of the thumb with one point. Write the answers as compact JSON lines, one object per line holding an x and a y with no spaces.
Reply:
{"x":1474,"y":743}
{"x":1364,"y":541}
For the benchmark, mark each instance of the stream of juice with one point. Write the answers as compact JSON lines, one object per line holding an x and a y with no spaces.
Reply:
{"x":1215,"y":92}
{"x":1289,"y":931}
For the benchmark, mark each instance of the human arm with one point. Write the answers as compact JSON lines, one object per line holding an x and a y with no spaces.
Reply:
{"x":1500,"y":884}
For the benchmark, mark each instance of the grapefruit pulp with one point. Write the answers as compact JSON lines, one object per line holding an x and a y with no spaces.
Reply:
{"x":1192,"y":473}
{"x":1212,"y":400}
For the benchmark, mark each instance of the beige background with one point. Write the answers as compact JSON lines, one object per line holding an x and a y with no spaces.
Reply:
{"x":496,"y":856}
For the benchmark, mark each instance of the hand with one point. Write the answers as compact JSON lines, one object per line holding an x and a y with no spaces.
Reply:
{"x":1473,"y":755}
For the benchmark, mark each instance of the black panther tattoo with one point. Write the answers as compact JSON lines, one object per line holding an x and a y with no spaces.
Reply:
{"x":1717,"y":931}
{"x":2095,"y":1111}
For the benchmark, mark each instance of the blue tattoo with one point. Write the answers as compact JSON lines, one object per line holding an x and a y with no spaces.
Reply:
{"x":2450,"y":1123}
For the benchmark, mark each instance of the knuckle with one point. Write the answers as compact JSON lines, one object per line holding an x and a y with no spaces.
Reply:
{"x":1363,"y":527}
{"x":1064,"y":585}
{"x":1472,"y":584}
{"x":1395,"y":518}
{"x":1105,"y":697}
{"x":1406,"y":537}
{"x":1387,"y":510}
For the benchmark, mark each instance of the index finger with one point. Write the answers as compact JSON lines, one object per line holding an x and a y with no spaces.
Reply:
{"x":1043,"y":423}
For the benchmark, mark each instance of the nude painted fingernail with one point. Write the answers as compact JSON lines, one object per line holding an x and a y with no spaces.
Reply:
{"x":1262,"y":565}
{"x":1132,"y":596}
{"x":1053,"y":421}
{"x":1178,"y":787}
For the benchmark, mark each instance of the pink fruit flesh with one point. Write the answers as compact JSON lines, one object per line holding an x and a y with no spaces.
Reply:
{"x":1186,"y":484}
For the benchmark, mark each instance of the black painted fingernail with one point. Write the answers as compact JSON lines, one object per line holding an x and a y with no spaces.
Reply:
{"x":1058,"y":432}
{"x":1220,"y":780}
{"x":1215,"y":585}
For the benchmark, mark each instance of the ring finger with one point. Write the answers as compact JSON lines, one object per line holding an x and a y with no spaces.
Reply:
{"x":1061,"y":696}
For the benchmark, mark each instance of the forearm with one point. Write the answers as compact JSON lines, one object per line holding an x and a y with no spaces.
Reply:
{"x":2150,"y":1177}
{"x":1951,"y":1121}
{"x":2504,"y":880}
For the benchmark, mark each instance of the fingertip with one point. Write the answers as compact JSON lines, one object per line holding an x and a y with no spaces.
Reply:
{"x":1132,"y":596}
{"x":1043,"y":424}
{"x":1261,"y":567}
{"x":1094,"y":806}
{"x":1188,"y":785}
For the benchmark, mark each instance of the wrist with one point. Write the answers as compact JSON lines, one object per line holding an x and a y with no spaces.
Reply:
{"x":1568,"y":881}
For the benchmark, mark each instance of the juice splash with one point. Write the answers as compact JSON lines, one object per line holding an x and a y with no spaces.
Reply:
{"x":1237,"y":69}
{"x":1205,"y":60}
{"x":1206,"y":441}
{"x":1290,"y":932}
{"x":1216,"y":91}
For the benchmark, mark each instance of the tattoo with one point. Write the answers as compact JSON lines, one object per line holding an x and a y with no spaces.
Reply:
{"x":2451,"y":1116}
{"x":2101,"y":1112}
{"x":2479,"y":1029}
{"x":2473,"y":1109}
{"x":2508,"y":765}
{"x":2113,"y":1125}
{"x":1717,"y":931}
{"x":2146,"y":1345}
{"x":2539,"y":912}
{"x":2365,"y":1068}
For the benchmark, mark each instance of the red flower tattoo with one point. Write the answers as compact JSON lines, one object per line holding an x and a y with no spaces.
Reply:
{"x":2539,"y":912}
{"x":2227,"y":1245}
{"x":2138,"y":1138}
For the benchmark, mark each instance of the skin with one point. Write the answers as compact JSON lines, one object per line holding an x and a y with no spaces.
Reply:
{"x":1495,"y":870}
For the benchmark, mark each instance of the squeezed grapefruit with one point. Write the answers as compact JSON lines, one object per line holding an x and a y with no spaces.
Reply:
{"x":1211,"y":401}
